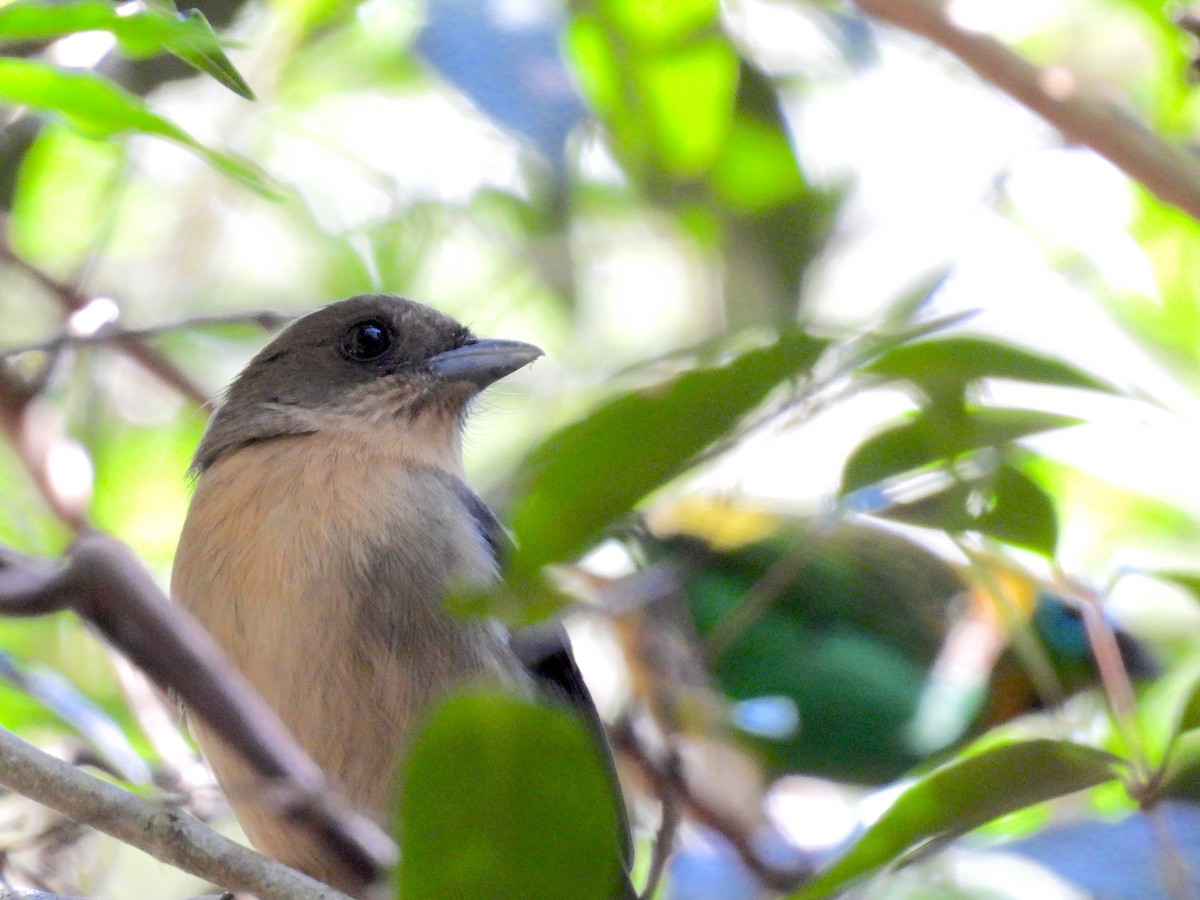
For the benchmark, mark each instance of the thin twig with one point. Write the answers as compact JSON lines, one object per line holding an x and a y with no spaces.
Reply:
{"x":73,"y":300}
{"x":16,"y":400}
{"x":668,"y":828}
{"x":167,"y":834}
{"x":1114,"y":678}
{"x":669,"y":781}
{"x":1168,"y":172}
{"x":112,"y":333}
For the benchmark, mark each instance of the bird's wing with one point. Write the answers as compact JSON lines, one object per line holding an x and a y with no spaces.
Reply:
{"x":545,"y":653}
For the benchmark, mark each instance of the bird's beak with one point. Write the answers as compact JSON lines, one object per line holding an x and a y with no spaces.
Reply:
{"x":484,"y":362}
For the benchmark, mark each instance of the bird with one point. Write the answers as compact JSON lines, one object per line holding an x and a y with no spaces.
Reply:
{"x":852,"y":653}
{"x":331,"y":517}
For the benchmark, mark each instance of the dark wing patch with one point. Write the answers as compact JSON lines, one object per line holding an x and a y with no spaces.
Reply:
{"x":545,"y":652}
{"x":486,"y":523}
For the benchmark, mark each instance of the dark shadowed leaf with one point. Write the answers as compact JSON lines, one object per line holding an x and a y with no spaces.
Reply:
{"x":964,"y":794}
{"x":1007,"y":505}
{"x":927,"y":438}
{"x":588,"y":474}
{"x":506,"y":800}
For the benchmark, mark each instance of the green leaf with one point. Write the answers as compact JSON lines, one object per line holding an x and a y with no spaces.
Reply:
{"x":1006,"y":505}
{"x":931,"y":436}
{"x":657,"y":23}
{"x":664,"y":78}
{"x":198,"y":48}
{"x":964,"y":794}
{"x":587,"y":475}
{"x":100,"y":108}
{"x":1189,"y":581}
{"x":139,"y":33}
{"x":949,"y":364}
{"x":756,"y":169}
{"x":689,"y":96}
{"x":1179,"y":770}
{"x":64,"y":196}
{"x":507,"y":800}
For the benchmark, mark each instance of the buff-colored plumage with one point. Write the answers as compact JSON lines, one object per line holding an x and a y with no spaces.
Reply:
{"x":317,"y":552}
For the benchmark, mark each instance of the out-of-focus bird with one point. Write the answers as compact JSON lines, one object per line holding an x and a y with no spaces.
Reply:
{"x":854,"y":653}
{"x":330,"y":520}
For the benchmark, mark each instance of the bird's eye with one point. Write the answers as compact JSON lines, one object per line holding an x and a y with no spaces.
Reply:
{"x":365,"y":341}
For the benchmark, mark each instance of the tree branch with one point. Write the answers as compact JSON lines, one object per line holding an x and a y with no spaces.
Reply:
{"x":669,"y":783}
{"x":167,"y":834}
{"x":73,"y":300}
{"x":103,"y":581}
{"x":1166,"y":171}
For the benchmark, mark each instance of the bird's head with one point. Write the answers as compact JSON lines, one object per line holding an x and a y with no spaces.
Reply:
{"x":373,"y":362}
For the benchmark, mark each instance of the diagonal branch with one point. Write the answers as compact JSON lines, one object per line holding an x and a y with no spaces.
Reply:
{"x":72,"y":300}
{"x":1165,"y":170}
{"x":103,"y":581}
{"x":166,"y":833}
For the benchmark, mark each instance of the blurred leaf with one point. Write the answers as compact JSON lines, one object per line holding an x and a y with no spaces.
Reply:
{"x":1181,"y":760}
{"x":140,"y":32}
{"x":773,"y":221}
{"x":307,"y":17}
{"x":141,"y":486}
{"x":64,"y":196}
{"x":1167,"y":320}
{"x":1189,"y":581}
{"x":657,"y":23}
{"x":480,"y":817}
{"x":929,"y":437}
{"x":663,"y":77}
{"x":102,"y":109}
{"x":588,"y":474}
{"x":688,"y":96}
{"x":756,"y":169}
{"x":964,"y":794}
{"x":596,"y":64}
{"x":947,"y":365}
{"x":1006,"y":505}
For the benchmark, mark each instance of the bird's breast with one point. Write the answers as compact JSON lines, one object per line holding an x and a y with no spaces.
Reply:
{"x":320,"y":566}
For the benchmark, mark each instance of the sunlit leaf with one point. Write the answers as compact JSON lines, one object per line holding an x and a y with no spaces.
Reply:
{"x":689,"y":95}
{"x":1189,"y":581}
{"x":142,"y":490}
{"x":585,"y":476}
{"x":596,"y":64}
{"x":1168,"y":319}
{"x":140,"y":32}
{"x":756,"y":169}
{"x":964,"y":794}
{"x":949,"y":364}
{"x":925,"y":439}
{"x":482,"y":817}
{"x":196,"y":48}
{"x":655,"y":23}
{"x":102,"y":109}
{"x":64,"y":195}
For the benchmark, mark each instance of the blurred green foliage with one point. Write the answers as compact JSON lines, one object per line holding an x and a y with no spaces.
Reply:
{"x":675,"y":256}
